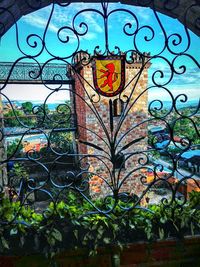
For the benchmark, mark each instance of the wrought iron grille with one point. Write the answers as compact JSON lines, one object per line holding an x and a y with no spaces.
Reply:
{"x":21,"y":72}
{"x":109,"y":144}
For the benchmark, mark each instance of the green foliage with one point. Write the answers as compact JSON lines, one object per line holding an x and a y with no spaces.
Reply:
{"x":174,"y":150}
{"x":19,"y":171}
{"x":62,"y":141}
{"x":40,"y":116}
{"x":61,"y":116}
{"x":10,"y":118}
{"x":27,"y":107}
{"x":17,"y":118}
{"x":14,"y":148}
{"x":184,"y":127}
{"x":74,"y":223}
{"x":194,"y":199}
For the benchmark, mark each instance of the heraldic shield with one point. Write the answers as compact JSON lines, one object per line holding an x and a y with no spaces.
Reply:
{"x":109,"y":74}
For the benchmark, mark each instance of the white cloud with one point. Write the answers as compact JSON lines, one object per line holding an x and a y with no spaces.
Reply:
{"x":92,"y":21}
{"x":89,"y":36}
{"x":159,"y":64}
{"x":144,"y":13}
{"x":193,"y":93}
{"x":30,"y":92}
{"x":62,"y":17}
{"x":40,"y":19}
{"x":189,"y":79}
{"x":39,"y":22}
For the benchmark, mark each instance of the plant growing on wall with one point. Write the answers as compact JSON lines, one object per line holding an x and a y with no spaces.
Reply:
{"x":71,"y":224}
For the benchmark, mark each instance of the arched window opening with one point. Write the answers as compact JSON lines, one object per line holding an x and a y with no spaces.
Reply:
{"x":99,"y":101}
{"x":118,"y":107}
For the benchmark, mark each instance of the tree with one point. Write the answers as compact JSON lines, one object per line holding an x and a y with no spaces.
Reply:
{"x":11,"y":148}
{"x":10,"y":118}
{"x":62,"y":142}
{"x":41,"y":113}
{"x":185,"y":128}
{"x":17,"y":118}
{"x":61,"y":117}
{"x":27,"y":107}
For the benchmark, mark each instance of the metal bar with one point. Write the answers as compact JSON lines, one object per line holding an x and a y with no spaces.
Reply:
{"x":37,"y":82}
{"x":32,"y":132}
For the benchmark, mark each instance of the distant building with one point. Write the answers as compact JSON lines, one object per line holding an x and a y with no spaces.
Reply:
{"x":155,"y":130}
{"x":191,"y":159}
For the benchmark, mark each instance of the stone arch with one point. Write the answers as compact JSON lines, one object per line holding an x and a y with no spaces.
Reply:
{"x":186,"y":11}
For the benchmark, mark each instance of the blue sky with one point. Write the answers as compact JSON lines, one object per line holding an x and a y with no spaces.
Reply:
{"x":35,"y":23}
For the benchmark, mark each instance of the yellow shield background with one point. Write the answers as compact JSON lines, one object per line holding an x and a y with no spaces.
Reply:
{"x":101,"y":70}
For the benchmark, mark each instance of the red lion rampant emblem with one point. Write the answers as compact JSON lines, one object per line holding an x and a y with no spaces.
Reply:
{"x":109,"y":74}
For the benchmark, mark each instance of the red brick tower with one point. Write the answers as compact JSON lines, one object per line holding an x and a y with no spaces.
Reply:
{"x":96,"y":137}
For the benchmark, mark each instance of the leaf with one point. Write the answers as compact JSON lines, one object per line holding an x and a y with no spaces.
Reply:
{"x":13,"y":231}
{"x":37,"y":217}
{"x":132,"y":226}
{"x":120,"y":245}
{"x":76,"y":234}
{"x":90,"y":144}
{"x":115,"y":227}
{"x":106,"y":240}
{"x":4,"y":243}
{"x":52,"y":254}
{"x":100,"y":232}
{"x":75,"y":222}
{"x":183,"y":222}
{"x":51,"y":241}
{"x":92,"y":253}
{"x":149,"y":235}
{"x":192,"y":228}
{"x":22,"y":241}
{"x":57,"y":235}
{"x":85,"y":239}
{"x":61,"y":205}
{"x":161,"y":233}
{"x":163,"y":220}
{"x":94,"y":227}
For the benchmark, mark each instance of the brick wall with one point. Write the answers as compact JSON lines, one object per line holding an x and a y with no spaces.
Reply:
{"x":167,"y":253}
{"x":80,"y":110}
